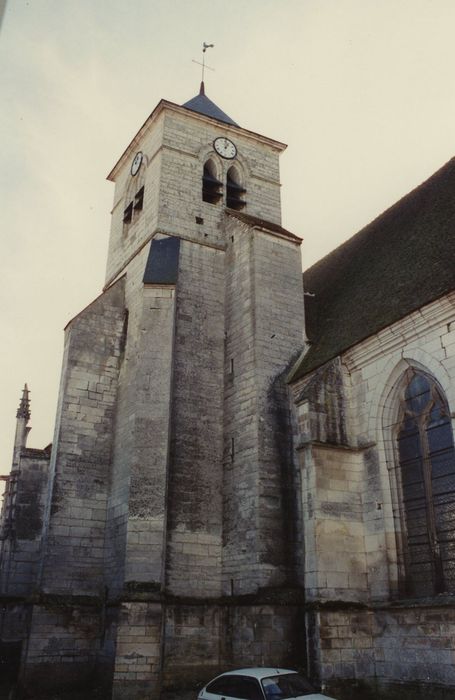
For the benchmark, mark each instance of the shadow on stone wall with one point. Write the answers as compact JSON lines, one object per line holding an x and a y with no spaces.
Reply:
{"x":373,"y":690}
{"x":346,"y":690}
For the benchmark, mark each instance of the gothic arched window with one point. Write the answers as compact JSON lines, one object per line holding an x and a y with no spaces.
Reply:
{"x":211,"y":186}
{"x":427,"y":468}
{"x":234,"y":190}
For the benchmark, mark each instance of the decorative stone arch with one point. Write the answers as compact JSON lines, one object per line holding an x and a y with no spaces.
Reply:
{"x":134,"y":184}
{"x":433,"y":366}
{"x":236,"y":171}
{"x":215,"y":169}
{"x":222,"y":165}
{"x":414,"y":481}
{"x":212,"y":186}
{"x":242,"y":166}
{"x":208,"y":153}
{"x":381,"y":397}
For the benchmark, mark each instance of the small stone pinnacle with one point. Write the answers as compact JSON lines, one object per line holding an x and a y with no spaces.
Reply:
{"x":24,"y":407}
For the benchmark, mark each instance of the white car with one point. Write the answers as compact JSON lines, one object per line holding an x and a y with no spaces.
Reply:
{"x":260,"y":684}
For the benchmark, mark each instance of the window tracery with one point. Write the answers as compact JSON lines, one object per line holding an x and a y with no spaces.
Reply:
{"x":426,"y":460}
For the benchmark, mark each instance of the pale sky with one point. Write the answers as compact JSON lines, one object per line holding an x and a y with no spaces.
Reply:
{"x":361,"y":90}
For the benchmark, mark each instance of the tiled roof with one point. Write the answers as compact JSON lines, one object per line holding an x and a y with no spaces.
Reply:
{"x":163,"y":261}
{"x":203,"y":105}
{"x":401,"y":261}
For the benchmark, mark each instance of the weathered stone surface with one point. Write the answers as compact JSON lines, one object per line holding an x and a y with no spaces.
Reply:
{"x":354,"y":538}
{"x":198,"y":513}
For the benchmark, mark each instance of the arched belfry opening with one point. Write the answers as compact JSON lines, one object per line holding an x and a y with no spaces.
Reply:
{"x":212,"y":188}
{"x":134,"y":201}
{"x":235,"y":190}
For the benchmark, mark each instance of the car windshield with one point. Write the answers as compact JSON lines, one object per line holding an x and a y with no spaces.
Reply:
{"x":289,"y":685}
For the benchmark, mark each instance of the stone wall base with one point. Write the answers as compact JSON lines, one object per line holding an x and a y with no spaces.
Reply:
{"x":144,"y":650}
{"x":187,"y":644}
{"x":62,"y":649}
{"x":13,"y":630}
{"x":151,"y":649}
{"x":406,"y":648}
{"x":372,"y":689}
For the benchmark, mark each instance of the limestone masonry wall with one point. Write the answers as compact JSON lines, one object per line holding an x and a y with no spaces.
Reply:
{"x":197,"y":513}
{"x":74,"y":544}
{"x":264,"y":317}
{"x":351,"y":514}
{"x":195,"y":476}
{"x":22,"y":530}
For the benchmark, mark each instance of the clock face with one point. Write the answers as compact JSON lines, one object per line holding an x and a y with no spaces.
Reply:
{"x":136,"y":164}
{"x":225,"y":148}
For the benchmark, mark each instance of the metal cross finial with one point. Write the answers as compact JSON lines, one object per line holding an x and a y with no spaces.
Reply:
{"x":205,"y":46}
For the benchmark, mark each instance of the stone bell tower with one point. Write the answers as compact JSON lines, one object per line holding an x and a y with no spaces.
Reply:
{"x":170,"y":528}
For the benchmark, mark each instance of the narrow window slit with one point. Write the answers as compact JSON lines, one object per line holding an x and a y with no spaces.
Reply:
{"x":139,"y":200}
{"x":128,"y":214}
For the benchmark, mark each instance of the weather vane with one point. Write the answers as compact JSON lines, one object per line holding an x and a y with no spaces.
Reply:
{"x":204,"y":49}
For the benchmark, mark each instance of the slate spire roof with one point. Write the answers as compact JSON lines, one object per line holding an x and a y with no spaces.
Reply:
{"x":203,"y":105}
{"x":400,"y":262}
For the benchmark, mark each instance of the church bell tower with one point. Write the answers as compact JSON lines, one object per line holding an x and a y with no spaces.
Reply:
{"x":173,"y":489}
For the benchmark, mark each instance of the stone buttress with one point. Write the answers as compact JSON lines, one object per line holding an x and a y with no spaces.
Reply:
{"x":169,"y":536}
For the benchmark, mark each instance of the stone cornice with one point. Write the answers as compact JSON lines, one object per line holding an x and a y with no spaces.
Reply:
{"x":401,"y":333}
{"x":164,"y":105}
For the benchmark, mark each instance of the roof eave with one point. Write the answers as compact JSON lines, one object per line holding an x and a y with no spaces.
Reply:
{"x":264,"y":225}
{"x":165,"y":104}
{"x":300,"y":371}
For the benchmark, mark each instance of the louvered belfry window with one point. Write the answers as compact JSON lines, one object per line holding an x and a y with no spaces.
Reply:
{"x":427,"y":465}
{"x":234,"y":190}
{"x":212,"y":188}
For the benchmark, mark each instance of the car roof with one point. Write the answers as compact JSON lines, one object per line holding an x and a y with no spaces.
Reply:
{"x":258,"y":672}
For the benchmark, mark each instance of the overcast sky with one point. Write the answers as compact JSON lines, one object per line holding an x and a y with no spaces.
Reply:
{"x":361,"y":90}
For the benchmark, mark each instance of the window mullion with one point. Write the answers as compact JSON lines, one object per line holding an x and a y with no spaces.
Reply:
{"x":429,"y":505}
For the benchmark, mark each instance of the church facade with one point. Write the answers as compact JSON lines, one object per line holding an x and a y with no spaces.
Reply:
{"x":234,"y":481}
